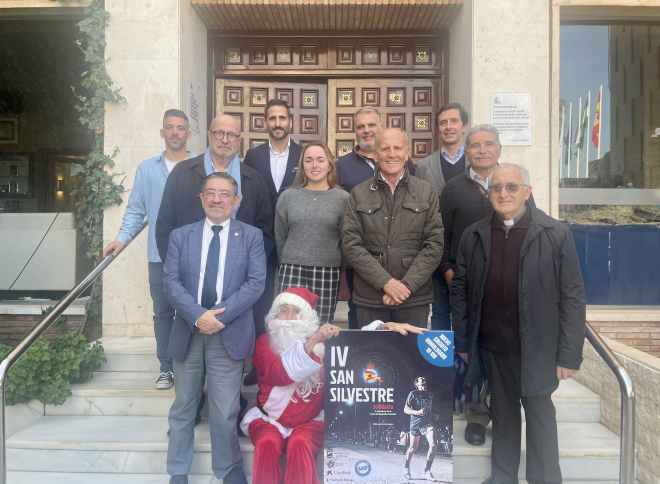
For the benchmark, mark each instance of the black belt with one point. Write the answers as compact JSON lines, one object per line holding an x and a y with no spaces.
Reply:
{"x":260,"y":406}
{"x":377,"y":254}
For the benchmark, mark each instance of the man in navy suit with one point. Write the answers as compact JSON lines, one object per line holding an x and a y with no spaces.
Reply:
{"x":277,"y":162}
{"x":214,"y":273}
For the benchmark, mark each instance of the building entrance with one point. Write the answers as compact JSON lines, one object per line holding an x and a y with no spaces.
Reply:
{"x":326,"y":78}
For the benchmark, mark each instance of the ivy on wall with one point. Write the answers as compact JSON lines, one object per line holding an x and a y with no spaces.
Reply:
{"x":98,"y":189}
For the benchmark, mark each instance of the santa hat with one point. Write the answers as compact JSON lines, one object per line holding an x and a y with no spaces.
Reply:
{"x":298,"y":297}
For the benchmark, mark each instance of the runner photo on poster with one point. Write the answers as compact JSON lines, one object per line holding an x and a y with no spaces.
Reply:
{"x":389,"y":407}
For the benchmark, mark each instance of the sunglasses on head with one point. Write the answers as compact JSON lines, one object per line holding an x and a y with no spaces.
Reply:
{"x":511,"y":187}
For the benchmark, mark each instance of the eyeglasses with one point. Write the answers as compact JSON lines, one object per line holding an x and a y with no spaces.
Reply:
{"x":210,"y":193}
{"x":511,"y":187}
{"x":220,"y":135}
{"x":284,"y":310}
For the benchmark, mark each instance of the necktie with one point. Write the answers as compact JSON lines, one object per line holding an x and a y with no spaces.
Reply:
{"x":209,"y":293}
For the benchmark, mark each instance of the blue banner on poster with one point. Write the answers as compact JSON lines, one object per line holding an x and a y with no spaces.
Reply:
{"x":437,"y":347}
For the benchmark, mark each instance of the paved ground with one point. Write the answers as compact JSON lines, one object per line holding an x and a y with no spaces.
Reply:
{"x":386,"y":467}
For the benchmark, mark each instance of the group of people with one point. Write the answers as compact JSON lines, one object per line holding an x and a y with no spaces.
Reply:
{"x":457,"y":238}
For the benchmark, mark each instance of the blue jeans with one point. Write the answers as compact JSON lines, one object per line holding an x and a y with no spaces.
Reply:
{"x":441,"y":309}
{"x":163,"y":315}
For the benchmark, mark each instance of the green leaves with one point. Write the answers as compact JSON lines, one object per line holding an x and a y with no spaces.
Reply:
{"x":46,"y":372}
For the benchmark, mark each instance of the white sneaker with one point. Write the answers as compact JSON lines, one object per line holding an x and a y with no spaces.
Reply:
{"x":165,"y":380}
{"x":407,"y":475}
{"x":430,"y":477}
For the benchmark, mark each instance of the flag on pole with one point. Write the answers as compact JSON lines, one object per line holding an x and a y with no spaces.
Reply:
{"x":595,"y":133}
{"x":567,"y":145}
{"x":582,"y":127}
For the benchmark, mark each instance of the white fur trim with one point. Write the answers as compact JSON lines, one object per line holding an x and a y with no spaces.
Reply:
{"x":375,"y":326}
{"x":298,"y":364}
{"x":278,"y":400}
{"x":293,"y":300}
{"x":320,"y":416}
{"x":254,"y":414}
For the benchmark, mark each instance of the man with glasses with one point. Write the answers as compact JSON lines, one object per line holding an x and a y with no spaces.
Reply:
{"x":214,"y":272}
{"x":519,"y":316}
{"x":144,"y":201}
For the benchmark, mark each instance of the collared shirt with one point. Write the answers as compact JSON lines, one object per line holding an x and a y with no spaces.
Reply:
{"x":144,"y":201}
{"x":478,"y":179}
{"x":278,"y":163}
{"x":370,"y":161}
{"x":448,"y":157}
{"x":510,"y":223}
{"x":206,"y":242}
{"x":396,"y":183}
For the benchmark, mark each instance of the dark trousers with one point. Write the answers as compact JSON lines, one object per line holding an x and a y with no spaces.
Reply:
{"x":352,"y":311}
{"x":441,"y":309}
{"x":413,"y":315}
{"x":263,"y":304}
{"x":163,"y":315}
{"x":503,"y":371}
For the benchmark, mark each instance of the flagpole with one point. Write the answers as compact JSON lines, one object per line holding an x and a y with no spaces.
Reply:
{"x":561,"y":140}
{"x":577,"y":173}
{"x":587,"y":131}
{"x":600,"y":120}
{"x":570,"y":142}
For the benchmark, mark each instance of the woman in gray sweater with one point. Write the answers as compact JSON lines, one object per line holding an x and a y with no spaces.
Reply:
{"x":308,"y":223}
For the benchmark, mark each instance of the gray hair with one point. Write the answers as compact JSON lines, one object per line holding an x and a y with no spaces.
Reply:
{"x":367,"y":110}
{"x":525,"y":173}
{"x":405,"y":136}
{"x":482,"y":127}
{"x":224,"y":176}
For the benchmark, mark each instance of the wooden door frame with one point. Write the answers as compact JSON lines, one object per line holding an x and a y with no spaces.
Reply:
{"x":317,"y":75}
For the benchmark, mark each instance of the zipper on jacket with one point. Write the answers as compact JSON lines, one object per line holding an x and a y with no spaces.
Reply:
{"x":506,"y":332}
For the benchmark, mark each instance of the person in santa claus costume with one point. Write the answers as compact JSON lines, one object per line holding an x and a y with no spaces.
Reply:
{"x":288,"y":414}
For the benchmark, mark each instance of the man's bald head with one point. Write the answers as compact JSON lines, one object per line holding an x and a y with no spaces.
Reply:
{"x":224,"y":139}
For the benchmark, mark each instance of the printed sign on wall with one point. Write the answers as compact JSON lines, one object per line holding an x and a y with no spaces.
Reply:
{"x":511,"y":114}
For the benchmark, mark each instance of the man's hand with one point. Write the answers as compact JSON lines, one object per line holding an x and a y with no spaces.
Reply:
{"x":113,"y":248}
{"x":326,"y":331}
{"x":396,"y":290}
{"x":208,"y":323}
{"x":564,"y":373}
{"x":388,"y":301}
{"x":448,"y":277}
{"x":403,"y":328}
{"x":464,"y":357}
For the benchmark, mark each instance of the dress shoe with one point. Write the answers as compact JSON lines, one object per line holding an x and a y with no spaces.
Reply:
{"x":180,"y":479}
{"x":251,"y":378}
{"x":235,"y":476}
{"x":475,"y":434}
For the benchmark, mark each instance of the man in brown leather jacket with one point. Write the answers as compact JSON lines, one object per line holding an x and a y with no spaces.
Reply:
{"x":393,"y":238}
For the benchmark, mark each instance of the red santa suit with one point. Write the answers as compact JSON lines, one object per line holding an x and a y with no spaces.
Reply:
{"x":294,"y":426}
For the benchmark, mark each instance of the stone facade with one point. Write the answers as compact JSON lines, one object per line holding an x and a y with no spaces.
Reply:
{"x":645,"y":372}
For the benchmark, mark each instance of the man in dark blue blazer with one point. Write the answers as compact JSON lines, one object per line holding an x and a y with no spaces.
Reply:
{"x":277,"y":162}
{"x":214,"y":273}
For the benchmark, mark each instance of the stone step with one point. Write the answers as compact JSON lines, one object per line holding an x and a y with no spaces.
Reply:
{"x":85,"y":478}
{"x":133,"y":394}
{"x":134,"y":445}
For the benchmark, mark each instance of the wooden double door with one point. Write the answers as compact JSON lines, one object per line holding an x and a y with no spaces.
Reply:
{"x":324,"y":109}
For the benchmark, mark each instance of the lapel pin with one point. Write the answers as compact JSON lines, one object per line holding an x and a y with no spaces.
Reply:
{"x":236,"y":234}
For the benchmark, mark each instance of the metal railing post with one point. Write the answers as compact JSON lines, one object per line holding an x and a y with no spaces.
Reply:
{"x":33,"y":336}
{"x":627,"y":447}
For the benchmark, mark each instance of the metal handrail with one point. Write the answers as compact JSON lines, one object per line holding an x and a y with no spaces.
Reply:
{"x":627,"y":450}
{"x":33,"y":336}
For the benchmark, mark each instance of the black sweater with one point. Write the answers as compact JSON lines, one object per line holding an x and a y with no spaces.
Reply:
{"x":462,"y":203}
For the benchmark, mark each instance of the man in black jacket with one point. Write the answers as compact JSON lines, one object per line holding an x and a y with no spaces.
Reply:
{"x":519,"y":316}
{"x":277,"y":162}
{"x":181,"y":204}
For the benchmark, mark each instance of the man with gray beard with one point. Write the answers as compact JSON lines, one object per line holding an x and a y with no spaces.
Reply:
{"x":464,"y":201}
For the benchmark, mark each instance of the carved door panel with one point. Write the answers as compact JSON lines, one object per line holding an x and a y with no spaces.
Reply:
{"x":246,"y":101}
{"x":407,"y":104}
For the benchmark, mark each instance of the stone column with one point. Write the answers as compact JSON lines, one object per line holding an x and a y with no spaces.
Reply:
{"x":153,"y":49}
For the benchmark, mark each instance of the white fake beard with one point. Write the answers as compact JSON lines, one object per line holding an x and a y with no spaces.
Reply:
{"x":283,"y":334}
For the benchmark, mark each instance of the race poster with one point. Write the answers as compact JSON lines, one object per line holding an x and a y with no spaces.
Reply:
{"x":389,"y":407}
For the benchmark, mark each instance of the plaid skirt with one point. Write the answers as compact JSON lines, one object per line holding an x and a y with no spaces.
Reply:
{"x":322,"y":281}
